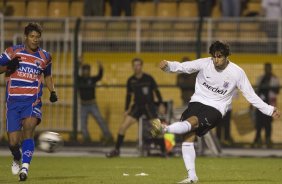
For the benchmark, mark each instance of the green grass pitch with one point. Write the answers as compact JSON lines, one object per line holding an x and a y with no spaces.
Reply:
{"x":161,"y":171}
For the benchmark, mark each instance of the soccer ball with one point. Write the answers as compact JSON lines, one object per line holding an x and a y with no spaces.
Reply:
{"x":50,"y":141}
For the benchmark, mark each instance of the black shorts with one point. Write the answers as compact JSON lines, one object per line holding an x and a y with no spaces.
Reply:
{"x":208,"y":116}
{"x":149,"y":110}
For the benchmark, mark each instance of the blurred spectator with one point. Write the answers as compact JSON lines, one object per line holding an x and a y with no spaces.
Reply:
{"x":7,"y":10}
{"x":244,"y":6}
{"x":272,"y":11}
{"x":94,"y":7}
{"x":206,"y":6}
{"x":231,"y":8}
{"x":267,"y":90}
{"x":121,"y":5}
{"x":86,"y":84}
{"x":186,"y":83}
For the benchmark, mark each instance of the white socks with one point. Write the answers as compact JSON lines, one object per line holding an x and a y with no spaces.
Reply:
{"x":25,"y":165}
{"x":179,"y":127}
{"x":189,"y":156}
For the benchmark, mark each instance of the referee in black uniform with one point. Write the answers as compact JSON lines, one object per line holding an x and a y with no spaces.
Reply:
{"x":143,"y":87}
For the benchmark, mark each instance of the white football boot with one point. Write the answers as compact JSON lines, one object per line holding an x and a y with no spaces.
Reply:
{"x":16,"y":167}
{"x":190,"y":180}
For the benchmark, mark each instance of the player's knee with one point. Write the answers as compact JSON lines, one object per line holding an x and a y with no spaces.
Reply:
{"x":28,"y":133}
{"x":193,"y":120}
{"x":191,"y":137}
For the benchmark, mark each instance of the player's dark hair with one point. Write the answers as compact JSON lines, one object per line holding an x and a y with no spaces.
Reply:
{"x":221,"y":47}
{"x":85,"y":67}
{"x":137,"y":59}
{"x":32,"y":26}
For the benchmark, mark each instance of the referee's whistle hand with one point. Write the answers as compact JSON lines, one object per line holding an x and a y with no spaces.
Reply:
{"x":164,"y":65}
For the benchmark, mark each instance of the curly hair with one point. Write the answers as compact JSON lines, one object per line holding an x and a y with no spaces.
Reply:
{"x":221,"y":47}
{"x":32,"y":26}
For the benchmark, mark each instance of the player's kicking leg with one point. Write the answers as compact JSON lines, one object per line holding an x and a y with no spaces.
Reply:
{"x":175,"y":128}
{"x":14,"y":146}
{"x":29,"y":125}
{"x":188,"y":151}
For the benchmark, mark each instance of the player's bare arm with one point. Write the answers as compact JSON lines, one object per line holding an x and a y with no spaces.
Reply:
{"x":49,"y":83}
{"x":50,"y":86}
{"x":164,"y":65}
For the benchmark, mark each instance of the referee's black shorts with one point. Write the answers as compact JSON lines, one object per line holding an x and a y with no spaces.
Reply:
{"x":149,"y":110}
{"x":208,"y":116}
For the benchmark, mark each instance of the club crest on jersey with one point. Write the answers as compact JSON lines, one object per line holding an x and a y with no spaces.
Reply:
{"x":37,"y":62}
{"x":225,"y":84}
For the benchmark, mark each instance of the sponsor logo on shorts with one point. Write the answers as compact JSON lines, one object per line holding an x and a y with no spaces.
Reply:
{"x":208,"y":123}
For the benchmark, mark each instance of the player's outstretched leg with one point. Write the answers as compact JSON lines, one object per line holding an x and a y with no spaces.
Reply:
{"x":176,"y":128}
{"x":157,"y":128}
{"x":27,"y":149}
{"x":16,"y":163}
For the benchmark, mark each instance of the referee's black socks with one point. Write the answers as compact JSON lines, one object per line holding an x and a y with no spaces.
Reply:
{"x":119,"y":141}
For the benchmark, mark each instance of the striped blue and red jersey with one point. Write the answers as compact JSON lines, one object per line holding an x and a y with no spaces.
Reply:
{"x":25,"y":84}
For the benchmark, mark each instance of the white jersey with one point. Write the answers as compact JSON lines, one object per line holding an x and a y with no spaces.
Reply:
{"x":216,"y":88}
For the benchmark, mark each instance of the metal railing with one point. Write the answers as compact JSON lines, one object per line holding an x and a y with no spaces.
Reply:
{"x":136,"y":34}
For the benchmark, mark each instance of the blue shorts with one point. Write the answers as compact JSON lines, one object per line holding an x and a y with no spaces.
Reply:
{"x":17,"y":111}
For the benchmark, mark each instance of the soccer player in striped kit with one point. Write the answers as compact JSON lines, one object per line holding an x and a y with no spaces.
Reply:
{"x":25,"y":67}
{"x":216,"y":82}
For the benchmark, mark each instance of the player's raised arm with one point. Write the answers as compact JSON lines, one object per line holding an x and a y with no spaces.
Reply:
{"x":247,"y":90}
{"x":184,"y":67}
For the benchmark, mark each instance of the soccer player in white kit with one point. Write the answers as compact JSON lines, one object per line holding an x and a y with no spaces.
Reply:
{"x":216,"y":81}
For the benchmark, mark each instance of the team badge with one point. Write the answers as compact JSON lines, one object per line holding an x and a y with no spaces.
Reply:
{"x":37,"y":62}
{"x":225,"y":84}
